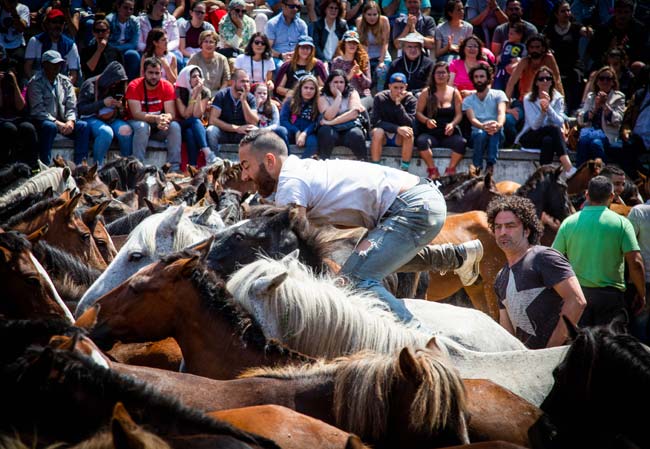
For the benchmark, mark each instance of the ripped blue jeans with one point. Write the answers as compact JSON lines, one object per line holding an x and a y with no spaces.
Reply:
{"x":412,"y":221}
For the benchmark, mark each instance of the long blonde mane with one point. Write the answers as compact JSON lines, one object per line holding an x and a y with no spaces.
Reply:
{"x":52,"y":177}
{"x":363,"y":384}
{"x":316,"y":316}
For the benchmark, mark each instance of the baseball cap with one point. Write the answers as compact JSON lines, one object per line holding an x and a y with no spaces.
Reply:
{"x":54,"y":13}
{"x":52,"y":56}
{"x":306,"y":40}
{"x":351,"y":36}
{"x":397,"y":77}
{"x":414,"y":37}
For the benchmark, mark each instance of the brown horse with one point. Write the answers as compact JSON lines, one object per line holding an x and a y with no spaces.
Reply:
{"x":507,"y":187}
{"x":92,"y":217}
{"x":473,"y":194}
{"x":66,"y":228}
{"x":27,"y":290}
{"x":580,"y":179}
{"x":89,"y":182}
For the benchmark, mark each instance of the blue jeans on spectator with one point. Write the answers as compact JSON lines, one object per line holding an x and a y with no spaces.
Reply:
{"x":482,"y":142}
{"x":412,"y":221}
{"x":592,"y":144}
{"x":379,"y":75}
{"x":282,"y":132}
{"x":103,"y":134}
{"x":195,"y":138}
{"x":47,"y":132}
{"x":311,"y":144}
{"x":132,"y":64}
{"x":513,"y":125}
{"x":142,"y":132}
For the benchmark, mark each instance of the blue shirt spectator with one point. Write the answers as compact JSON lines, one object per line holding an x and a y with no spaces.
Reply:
{"x":284,"y":30}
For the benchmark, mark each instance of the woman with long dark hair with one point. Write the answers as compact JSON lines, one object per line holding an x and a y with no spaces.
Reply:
{"x":157,"y":46}
{"x":452,"y":32}
{"x":299,"y":115}
{"x":352,"y":59}
{"x":340,"y":107}
{"x":439,"y":112}
{"x":257,"y":60}
{"x":544,"y":115}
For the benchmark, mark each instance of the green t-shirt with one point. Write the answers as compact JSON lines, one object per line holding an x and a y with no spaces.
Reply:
{"x":595,"y":241}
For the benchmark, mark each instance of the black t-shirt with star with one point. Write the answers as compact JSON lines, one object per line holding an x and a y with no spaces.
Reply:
{"x":526,"y":292}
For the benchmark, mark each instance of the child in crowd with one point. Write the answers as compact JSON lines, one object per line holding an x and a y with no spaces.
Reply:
{"x":511,"y":53}
{"x":267,"y":111}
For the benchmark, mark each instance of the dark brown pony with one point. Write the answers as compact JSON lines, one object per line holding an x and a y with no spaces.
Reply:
{"x":473,"y":194}
{"x":580,"y":179}
{"x":89,"y":182}
{"x":92,"y":217}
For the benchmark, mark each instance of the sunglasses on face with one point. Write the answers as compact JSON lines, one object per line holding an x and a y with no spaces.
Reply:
{"x":545,"y":78}
{"x":605,"y":78}
{"x":100,"y":30}
{"x":259,"y":43}
{"x":199,"y":12}
{"x":238,"y":10}
{"x":292,"y":6}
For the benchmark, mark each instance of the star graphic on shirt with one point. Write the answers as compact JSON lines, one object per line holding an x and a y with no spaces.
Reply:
{"x":517,"y":302}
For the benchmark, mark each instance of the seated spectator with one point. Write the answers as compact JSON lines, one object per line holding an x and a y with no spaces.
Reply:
{"x":439,"y":113}
{"x":600,"y":117}
{"x":329,"y":29}
{"x":486,"y":111}
{"x":414,"y":22}
{"x":393,"y":120}
{"x":544,"y":112}
{"x":124,"y":35}
{"x":235,"y":30}
{"x":101,"y":105}
{"x":413,"y":63}
{"x":285,"y":31}
{"x":233,"y":113}
{"x":192,"y":99}
{"x":14,"y":21}
{"x":190,"y":30}
{"x":214,"y":66}
{"x":157,"y":47}
{"x":340,"y":107}
{"x":216,"y":11}
{"x":514,"y":12}
{"x":374,"y":33}
{"x":471,"y":55}
{"x":52,"y":38}
{"x":352,"y":59}
{"x":398,"y":8}
{"x":452,"y":32}
{"x":71,"y":18}
{"x":511,"y":53}
{"x":485,"y":16}
{"x":303,"y":62}
{"x":152,"y":113}
{"x":99,"y":53}
{"x":257,"y":60}
{"x":52,"y":102}
{"x":617,"y":60}
{"x":299,"y":115}
{"x":157,"y":16}
{"x":635,"y":130}
{"x":17,"y":133}
{"x":267,"y":112}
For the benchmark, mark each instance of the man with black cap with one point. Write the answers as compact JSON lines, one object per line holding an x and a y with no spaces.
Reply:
{"x":393,"y":117}
{"x":414,"y":64}
{"x":53,"y":103}
{"x":53,"y":39}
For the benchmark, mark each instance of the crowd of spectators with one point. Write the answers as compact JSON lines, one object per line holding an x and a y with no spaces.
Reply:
{"x":483,"y":74}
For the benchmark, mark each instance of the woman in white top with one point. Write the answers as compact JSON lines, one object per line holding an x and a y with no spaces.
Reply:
{"x":544,"y":112}
{"x":257,"y":61}
{"x":451,"y":33}
{"x":157,"y":46}
{"x":374,"y":34}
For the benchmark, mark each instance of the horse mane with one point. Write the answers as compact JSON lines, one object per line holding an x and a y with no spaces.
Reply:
{"x":61,"y":263}
{"x":127,"y":223}
{"x":48,"y":178}
{"x":48,"y":375}
{"x":35,"y":211}
{"x":318,"y":317}
{"x":458,"y":192}
{"x":538,"y":176}
{"x":21,"y":203}
{"x":12,"y":173}
{"x":17,"y":335}
{"x":14,"y":241}
{"x":363,"y":384}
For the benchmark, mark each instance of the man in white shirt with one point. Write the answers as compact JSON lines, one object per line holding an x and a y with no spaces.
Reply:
{"x":402,"y":212}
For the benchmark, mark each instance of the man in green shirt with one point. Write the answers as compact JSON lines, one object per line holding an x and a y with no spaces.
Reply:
{"x":597,"y":242}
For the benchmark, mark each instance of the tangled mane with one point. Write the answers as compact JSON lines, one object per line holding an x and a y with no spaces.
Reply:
{"x":538,"y":176}
{"x":365,"y":381}
{"x":126,"y":224}
{"x":35,"y":211}
{"x":52,"y":177}
{"x":317,"y":317}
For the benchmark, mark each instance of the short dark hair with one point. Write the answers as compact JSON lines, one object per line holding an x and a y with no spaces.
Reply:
{"x":488,"y":70}
{"x":151,"y":61}
{"x":522,"y":208}
{"x":267,"y":46}
{"x":538,"y":37}
{"x":600,"y":188}
{"x":264,"y":140}
{"x":610,"y":171}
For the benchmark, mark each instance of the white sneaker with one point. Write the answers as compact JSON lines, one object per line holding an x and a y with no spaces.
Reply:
{"x":468,"y":271}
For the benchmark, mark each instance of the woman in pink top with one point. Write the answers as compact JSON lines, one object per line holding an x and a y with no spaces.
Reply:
{"x":471,"y":55}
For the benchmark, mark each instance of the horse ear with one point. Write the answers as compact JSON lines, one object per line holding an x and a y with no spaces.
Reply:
{"x":188,"y":265}
{"x":354,"y":442}
{"x":88,"y":319}
{"x":432,"y":344}
{"x":176,"y":186}
{"x":619,"y":324}
{"x":38,"y":234}
{"x":641,"y":175}
{"x":293,"y":255}
{"x":66,"y":173}
{"x":203,"y":248}
{"x":91,"y":214}
{"x":191,"y":170}
{"x":215,"y":197}
{"x":48,"y":193}
{"x":487,"y":181}
{"x":112,"y":185}
{"x":571,"y":328}
{"x":151,"y":206}
{"x":65,"y":195}
{"x":92,"y":171}
{"x":124,"y":430}
{"x":267,"y":285}
{"x":408,"y":365}
{"x":201,"y":190}
{"x":70,"y":206}
{"x":202,"y":219}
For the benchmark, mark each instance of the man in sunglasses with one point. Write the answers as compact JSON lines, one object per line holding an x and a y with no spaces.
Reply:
{"x":235,"y":30}
{"x":284,"y":31}
{"x":53,"y":39}
{"x":96,"y":56}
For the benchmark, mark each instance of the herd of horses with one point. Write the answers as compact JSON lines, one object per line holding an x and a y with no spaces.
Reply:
{"x":204,"y":318}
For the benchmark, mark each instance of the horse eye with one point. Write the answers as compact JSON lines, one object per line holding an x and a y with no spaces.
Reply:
{"x":134,"y":257}
{"x":101,"y":242}
{"x":86,"y":237}
{"x":34,"y":281}
{"x":239,"y":237}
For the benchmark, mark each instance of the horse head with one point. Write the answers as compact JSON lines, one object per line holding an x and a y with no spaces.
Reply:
{"x":92,"y":218}
{"x":548,"y":192}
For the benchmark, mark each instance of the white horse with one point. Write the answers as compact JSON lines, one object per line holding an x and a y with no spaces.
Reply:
{"x":315,"y":316}
{"x":157,"y":235}
{"x":60,"y":179}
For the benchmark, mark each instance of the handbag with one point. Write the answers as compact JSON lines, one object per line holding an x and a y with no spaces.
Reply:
{"x":345,"y":126}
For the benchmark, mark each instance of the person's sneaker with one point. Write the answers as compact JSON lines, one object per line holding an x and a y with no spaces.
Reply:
{"x":472,"y":253}
{"x":567,"y":174}
{"x":432,"y":172}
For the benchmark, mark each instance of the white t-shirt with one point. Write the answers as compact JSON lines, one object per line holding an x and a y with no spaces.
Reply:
{"x":11,"y":38}
{"x":259,"y":68}
{"x":34,"y":52}
{"x":340,"y":192}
